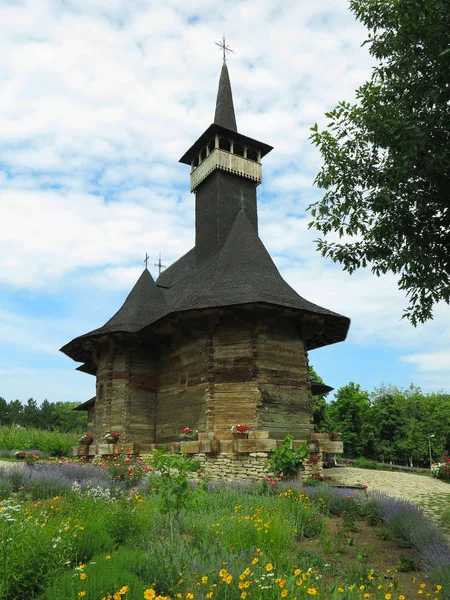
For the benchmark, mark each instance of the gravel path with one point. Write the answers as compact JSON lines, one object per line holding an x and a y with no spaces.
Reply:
{"x":432,"y":495}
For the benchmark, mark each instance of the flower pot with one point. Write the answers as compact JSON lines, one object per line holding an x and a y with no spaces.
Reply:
{"x":85,"y":442}
{"x":110,"y":440}
{"x":240,"y":436}
{"x":336,"y":437}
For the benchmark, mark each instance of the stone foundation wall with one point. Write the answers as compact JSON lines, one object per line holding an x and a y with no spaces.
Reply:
{"x":251,"y":466}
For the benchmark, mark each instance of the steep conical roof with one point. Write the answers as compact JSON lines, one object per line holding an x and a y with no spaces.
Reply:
{"x":224,"y":115}
{"x":143,"y":305}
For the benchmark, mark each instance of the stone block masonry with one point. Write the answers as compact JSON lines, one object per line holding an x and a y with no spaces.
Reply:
{"x":227,"y":459}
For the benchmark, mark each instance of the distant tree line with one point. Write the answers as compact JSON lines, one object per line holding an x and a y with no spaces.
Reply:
{"x":388,"y":424}
{"x":49,"y":415}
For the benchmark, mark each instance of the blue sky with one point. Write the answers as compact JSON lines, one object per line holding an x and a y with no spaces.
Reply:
{"x":99,"y":101}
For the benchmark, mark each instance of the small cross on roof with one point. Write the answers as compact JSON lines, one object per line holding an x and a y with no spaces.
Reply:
{"x":224,"y":47}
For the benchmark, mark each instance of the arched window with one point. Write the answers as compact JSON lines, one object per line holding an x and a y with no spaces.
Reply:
{"x":238,"y":149}
{"x":224,"y":144}
{"x":252,"y":154}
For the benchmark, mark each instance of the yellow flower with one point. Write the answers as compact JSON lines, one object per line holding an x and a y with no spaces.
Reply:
{"x":380,"y":587}
{"x":82,"y":567}
{"x":228,"y":580}
{"x":361,"y":587}
{"x":83,"y":576}
{"x":388,"y":596}
{"x":366,"y":595}
{"x":401,"y":597}
{"x":422,"y":585}
{"x":179,"y":595}
{"x":247,"y":571}
{"x":81,"y":594}
{"x":269,"y":567}
{"x":124,"y":589}
{"x":116,"y":596}
{"x":255,"y":560}
{"x":439,"y":588}
{"x":420,"y":591}
{"x":209,"y":595}
{"x":205,"y":579}
{"x":223,"y":573}
{"x":312,"y":591}
{"x":189,"y":596}
{"x":284,"y":593}
{"x":350,"y":586}
{"x":244,"y":595}
{"x":297,"y":571}
{"x":149,"y":594}
{"x":107,"y":557}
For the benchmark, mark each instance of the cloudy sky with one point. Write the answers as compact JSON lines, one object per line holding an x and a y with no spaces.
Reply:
{"x":99,"y":99}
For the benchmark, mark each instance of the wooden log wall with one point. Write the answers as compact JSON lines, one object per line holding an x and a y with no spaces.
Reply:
{"x":126,"y":393}
{"x":182,"y":385}
{"x":235,"y":397}
{"x":283,"y":381}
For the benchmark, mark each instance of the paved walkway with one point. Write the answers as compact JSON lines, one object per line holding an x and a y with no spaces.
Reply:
{"x":432,"y":495}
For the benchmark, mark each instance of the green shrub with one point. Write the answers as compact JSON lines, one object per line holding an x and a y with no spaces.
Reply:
{"x":364,"y":463}
{"x":54,"y":443}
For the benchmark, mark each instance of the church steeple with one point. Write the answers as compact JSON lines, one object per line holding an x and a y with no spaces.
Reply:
{"x":224,"y":115}
{"x":225,"y":171}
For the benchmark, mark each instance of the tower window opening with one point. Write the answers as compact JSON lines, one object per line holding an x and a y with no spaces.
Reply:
{"x":224,"y":144}
{"x":202,"y":155}
{"x":252,"y":154}
{"x":238,"y":149}
{"x":210,"y":146}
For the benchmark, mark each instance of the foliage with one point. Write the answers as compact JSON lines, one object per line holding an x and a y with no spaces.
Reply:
{"x":441,"y":470}
{"x":349,"y":413}
{"x":236,"y":543}
{"x":169,"y":481}
{"x":55,"y":443}
{"x":285,"y":460}
{"x":188,"y":434}
{"x":391,"y":424}
{"x":128,"y":469}
{"x":386,"y":167}
{"x":364,"y":463}
{"x":319,"y":402}
{"x":54,"y":416}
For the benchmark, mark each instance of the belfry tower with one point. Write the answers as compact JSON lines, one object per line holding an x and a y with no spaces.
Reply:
{"x":220,"y":338}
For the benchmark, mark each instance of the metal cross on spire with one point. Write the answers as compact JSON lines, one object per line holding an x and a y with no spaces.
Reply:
{"x":146,"y":259}
{"x":224,"y":47}
{"x":159,"y":265}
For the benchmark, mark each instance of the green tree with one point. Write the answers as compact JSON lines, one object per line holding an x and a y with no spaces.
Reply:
{"x":386,"y":158}
{"x":349,"y":412}
{"x":319,"y":402}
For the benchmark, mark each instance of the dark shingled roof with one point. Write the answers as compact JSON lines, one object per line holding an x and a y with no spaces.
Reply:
{"x":318,"y":389}
{"x":224,"y":115}
{"x":144,"y":304}
{"x":239,"y":271}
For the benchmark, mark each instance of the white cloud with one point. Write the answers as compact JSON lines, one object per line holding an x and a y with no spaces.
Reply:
{"x":99,"y":100}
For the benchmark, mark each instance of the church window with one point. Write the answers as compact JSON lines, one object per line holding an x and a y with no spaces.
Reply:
{"x":238,"y":149}
{"x":224,"y":144}
{"x":252,"y":154}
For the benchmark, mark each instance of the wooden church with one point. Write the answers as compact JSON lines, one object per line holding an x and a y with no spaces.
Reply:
{"x":220,"y":338}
